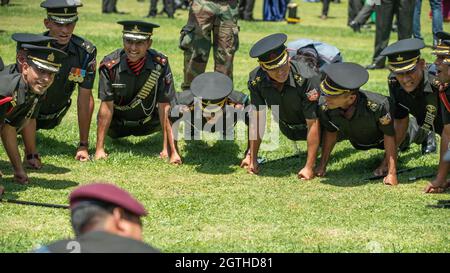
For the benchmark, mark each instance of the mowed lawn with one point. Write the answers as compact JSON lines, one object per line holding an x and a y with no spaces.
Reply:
{"x":209,"y":204}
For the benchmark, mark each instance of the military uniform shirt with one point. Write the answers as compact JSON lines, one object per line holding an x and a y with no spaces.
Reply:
{"x":187,"y":98}
{"x":297,"y":100}
{"x":24,"y":104}
{"x":417,"y":102}
{"x":371,"y":120}
{"x":118,"y":83}
{"x":444,"y":111}
{"x":78,"y":67}
{"x":98,"y":242}
{"x":9,"y":69}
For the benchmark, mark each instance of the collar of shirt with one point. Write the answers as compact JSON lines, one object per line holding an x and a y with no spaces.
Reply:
{"x":350,"y":112}
{"x":123,"y":66}
{"x":22,"y":91}
{"x":70,"y":48}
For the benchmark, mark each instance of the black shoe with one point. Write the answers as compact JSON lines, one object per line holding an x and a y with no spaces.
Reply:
{"x":374,"y":66}
{"x":429,"y":144}
{"x":355,"y":26}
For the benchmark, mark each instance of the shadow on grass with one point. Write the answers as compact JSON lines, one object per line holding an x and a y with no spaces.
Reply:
{"x":357,"y":172}
{"x":221,"y":158}
{"x":46,"y":168}
{"x":286,"y":166}
{"x":150,"y":145}
{"x":51,"y":146}
{"x":54,"y":184}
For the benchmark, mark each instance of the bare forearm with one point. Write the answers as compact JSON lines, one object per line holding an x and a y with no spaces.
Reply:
{"x":9,"y":139}
{"x":256,"y":133}
{"x":103,"y":122}
{"x":29,"y":137}
{"x":166,"y":125}
{"x":391,"y":153}
{"x":401,"y":126}
{"x":443,"y":166}
{"x":85,"y":107}
{"x":313,"y":141}
{"x":329,"y":141}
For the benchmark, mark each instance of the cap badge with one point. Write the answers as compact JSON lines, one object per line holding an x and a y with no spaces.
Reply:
{"x":51,"y":57}
{"x":65,"y":10}
{"x":386,"y":119}
{"x":136,"y":29}
{"x":399,"y":58}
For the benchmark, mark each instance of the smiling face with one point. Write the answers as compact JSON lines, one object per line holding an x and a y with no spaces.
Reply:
{"x":62,"y":32}
{"x":279,"y":74}
{"x":136,"y":50}
{"x":443,"y":69}
{"x":38,"y":80}
{"x":410,"y":80}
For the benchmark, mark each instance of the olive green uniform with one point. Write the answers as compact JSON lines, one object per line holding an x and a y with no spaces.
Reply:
{"x":216,"y":19}
{"x":422,"y":103}
{"x":366,"y":127}
{"x":297,"y":100}
{"x":24,"y":104}
{"x":78,"y":68}
{"x":135,"y":112}
{"x":98,"y":242}
{"x":186,"y":98}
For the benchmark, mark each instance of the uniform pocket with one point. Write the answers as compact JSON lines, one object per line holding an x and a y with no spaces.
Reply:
{"x":236,"y":38}
{"x":186,"y":37}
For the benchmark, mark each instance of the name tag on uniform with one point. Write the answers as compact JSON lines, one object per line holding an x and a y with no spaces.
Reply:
{"x":119,"y":85}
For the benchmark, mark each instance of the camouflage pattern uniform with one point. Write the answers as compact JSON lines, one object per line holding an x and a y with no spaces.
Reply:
{"x":220,"y":17}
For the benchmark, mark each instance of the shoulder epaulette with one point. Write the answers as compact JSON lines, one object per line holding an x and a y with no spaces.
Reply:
{"x":111,"y":60}
{"x":84,"y":44}
{"x":299,"y":79}
{"x":158,"y":57}
{"x":392,"y":80}
{"x":373,"y":106}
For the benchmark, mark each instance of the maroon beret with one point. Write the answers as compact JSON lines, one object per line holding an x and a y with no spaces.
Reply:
{"x":107,"y":193}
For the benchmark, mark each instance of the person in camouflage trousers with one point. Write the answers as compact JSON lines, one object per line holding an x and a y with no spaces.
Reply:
{"x":205,"y":16}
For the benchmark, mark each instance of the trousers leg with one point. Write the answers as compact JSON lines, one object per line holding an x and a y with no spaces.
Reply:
{"x":385,"y":15}
{"x":202,"y":15}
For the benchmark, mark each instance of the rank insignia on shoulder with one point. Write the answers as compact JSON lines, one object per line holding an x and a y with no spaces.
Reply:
{"x":77,"y":74}
{"x":324,"y":107}
{"x":436,"y":82}
{"x":372,"y":105}
{"x":298,"y":79}
{"x":392,"y":81}
{"x":160,"y":60}
{"x":312,"y":95}
{"x":255,"y":81}
{"x":386,"y":119}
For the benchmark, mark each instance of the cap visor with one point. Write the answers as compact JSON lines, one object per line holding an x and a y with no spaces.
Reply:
{"x":63,"y":20}
{"x":46,"y":67}
{"x":135,"y":37}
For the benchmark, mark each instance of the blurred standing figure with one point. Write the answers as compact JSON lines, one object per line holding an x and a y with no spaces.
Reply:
{"x":209,"y":18}
{"x":354,"y":6}
{"x":169,"y":8}
{"x":404,"y":9}
{"x":436,"y":10}
{"x":109,"y":6}
{"x":325,"y":8}
{"x":246,"y":9}
{"x":5,"y":2}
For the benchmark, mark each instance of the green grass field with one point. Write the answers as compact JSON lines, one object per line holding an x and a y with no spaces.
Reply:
{"x":209,"y":204}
